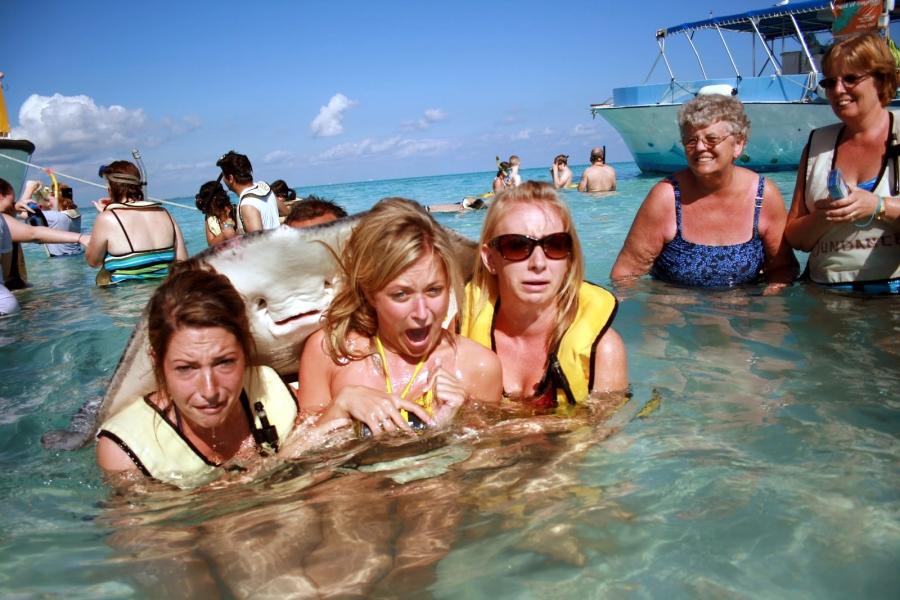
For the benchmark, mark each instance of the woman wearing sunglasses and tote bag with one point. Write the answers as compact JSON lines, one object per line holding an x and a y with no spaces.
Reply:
{"x":529,"y":303}
{"x":846,"y":207}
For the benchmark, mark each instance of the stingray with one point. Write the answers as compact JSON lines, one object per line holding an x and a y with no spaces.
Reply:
{"x":287,"y":278}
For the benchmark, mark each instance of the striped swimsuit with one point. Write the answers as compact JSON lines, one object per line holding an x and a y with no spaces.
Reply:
{"x":139,"y":264}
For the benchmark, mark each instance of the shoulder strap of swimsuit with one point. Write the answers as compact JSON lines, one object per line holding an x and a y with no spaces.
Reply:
{"x":760,"y":192}
{"x":174,"y":235}
{"x":127,"y":239}
{"x":677,"y":191}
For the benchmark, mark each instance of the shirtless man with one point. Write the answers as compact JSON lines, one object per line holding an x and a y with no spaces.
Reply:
{"x":599,"y":177}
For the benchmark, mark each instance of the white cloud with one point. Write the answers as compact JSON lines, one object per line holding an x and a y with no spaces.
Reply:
{"x":583,"y":130}
{"x":68,"y":127}
{"x":521,"y":135}
{"x":393,"y":146}
{"x":328,"y":122}
{"x":277,"y":156}
{"x":431,"y":115}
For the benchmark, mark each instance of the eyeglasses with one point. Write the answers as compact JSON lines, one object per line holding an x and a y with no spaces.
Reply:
{"x":709,"y":141}
{"x":515,"y":247}
{"x":850,"y":81}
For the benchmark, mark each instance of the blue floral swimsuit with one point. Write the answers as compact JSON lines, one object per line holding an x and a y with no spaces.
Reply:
{"x":697,"y":265}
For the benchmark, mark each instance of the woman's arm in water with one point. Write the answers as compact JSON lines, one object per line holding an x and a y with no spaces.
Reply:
{"x":653,"y":226}
{"x":610,"y":364}
{"x":781,"y":265}
{"x":803,"y":229}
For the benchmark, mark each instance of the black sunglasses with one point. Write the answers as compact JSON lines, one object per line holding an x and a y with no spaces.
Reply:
{"x":515,"y":247}
{"x":851,"y":80}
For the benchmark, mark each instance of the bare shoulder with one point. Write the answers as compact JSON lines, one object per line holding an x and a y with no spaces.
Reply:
{"x":112,"y":458}
{"x":474,"y":355}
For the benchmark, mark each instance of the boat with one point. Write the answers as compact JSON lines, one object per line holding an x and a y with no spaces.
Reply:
{"x":12,"y":171}
{"x":782,"y":97}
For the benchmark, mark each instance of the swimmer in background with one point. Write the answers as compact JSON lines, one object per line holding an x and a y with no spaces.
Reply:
{"x":383,"y":347}
{"x":501,"y":180}
{"x":560,"y":171}
{"x":12,"y":230}
{"x":468,"y":203}
{"x":528,"y":301}
{"x":599,"y":177}
{"x":133,"y":239}
{"x":55,"y":213}
{"x":213,"y":201}
{"x":515,"y":180}
{"x":284,"y":195}
{"x":257,"y":205}
{"x":313,"y":210}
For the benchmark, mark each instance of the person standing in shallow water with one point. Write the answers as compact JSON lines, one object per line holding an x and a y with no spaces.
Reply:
{"x":599,"y":177}
{"x":528,"y":301}
{"x":12,"y":230}
{"x":854,"y":241}
{"x":560,"y":171}
{"x":713,"y":224}
{"x":257,"y":204}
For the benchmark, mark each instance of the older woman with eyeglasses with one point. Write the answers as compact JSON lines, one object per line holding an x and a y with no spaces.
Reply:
{"x":713,"y":224}
{"x":846,"y":207}
{"x":528,"y":302}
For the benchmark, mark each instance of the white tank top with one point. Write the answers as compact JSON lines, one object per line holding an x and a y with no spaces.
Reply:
{"x":845,"y":253}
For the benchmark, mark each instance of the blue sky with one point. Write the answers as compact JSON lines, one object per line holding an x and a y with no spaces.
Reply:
{"x":318,"y":92}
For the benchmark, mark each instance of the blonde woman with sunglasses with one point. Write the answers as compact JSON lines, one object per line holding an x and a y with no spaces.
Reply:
{"x":846,"y":204}
{"x":714,"y":224}
{"x":528,"y":302}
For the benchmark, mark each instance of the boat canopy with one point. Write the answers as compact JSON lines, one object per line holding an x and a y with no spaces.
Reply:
{"x":773,"y":23}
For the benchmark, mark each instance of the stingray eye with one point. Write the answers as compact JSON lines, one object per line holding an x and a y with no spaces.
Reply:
{"x":261,"y":304}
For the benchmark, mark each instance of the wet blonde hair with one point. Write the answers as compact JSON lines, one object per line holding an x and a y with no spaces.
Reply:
{"x":389,"y":239}
{"x":865,"y":53}
{"x":542,"y":195}
{"x":709,"y":109}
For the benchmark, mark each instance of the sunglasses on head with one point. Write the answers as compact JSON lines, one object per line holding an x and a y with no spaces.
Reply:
{"x":515,"y":247}
{"x":850,"y":80}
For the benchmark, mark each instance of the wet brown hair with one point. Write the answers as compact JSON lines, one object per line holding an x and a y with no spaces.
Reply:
{"x":864,"y":53}
{"x":195,"y":296}
{"x":123,"y":179}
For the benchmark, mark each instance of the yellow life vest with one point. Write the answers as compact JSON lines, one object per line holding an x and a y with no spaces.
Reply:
{"x":160,"y":451}
{"x":573,"y":360}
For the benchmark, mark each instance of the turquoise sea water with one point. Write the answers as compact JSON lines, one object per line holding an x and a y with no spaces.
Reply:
{"x":769,"y":470}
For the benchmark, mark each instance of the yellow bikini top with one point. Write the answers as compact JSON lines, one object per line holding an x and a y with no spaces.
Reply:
{"x":423,"y":401}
